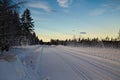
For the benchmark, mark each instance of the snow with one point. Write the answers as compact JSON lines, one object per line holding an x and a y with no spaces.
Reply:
{"x":15,"y":71}
{"x":68,"y":63}
{"x":105,"y":53}
{"x":40,"y":62}
{"x":18,"y":69}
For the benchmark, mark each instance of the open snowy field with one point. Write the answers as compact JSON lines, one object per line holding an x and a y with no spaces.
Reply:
{"x":61,"y":63}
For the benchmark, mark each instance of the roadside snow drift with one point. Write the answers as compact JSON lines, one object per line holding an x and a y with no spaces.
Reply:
{"x":17,"y":69}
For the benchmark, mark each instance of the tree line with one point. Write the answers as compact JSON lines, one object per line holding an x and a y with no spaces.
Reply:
{"x":95,"y":42}
{"x":15,"y":29}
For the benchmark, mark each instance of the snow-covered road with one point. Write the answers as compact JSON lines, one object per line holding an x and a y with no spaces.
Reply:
{"x":62,"y":63}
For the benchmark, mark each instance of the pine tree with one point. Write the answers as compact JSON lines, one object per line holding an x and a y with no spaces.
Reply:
{"x":27,"y":26}
{"x":7,"y":24}
{"x":27,"y":22}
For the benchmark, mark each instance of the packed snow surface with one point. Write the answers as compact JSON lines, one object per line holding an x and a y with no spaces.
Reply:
{"x":61,"y":63}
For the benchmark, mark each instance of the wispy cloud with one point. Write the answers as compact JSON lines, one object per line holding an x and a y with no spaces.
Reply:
{"x":41,"y":5}
{"x":64,"y":3}
{"x":39,"y":18}
{"x":107,"y":5}
{"x":35,"y":12}
{"x":118,"y":8}
{"x":101,"y":10}
{"x":105,"y":8}
{"x":97,"y":12}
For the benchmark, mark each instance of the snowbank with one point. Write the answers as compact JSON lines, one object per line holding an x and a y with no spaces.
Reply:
{"x":16,"y":70}
{"x":14,"y":66}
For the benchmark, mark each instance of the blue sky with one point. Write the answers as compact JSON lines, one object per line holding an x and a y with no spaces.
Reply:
{"x":61,"y":19}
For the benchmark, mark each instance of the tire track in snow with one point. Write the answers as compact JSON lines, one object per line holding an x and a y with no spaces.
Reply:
{"x":77,"y":69}
{"x":101,"y":68}
{"x":101,"y":65}
{"x":93,"y":71}
{"x":106,"y":56}
{"x":82,"y":70}
{"x":39,"y":58}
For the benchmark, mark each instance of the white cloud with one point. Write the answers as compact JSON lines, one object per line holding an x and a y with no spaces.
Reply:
{"x":107,"y":5}
{"x":103,"y":9}
{"x":97,"y":12}
{"x":111,"y":7}
{"x":118,"y":8}
{"x":64,"y":3}
{"x":35,"y":12}
{"x":41,"y":5}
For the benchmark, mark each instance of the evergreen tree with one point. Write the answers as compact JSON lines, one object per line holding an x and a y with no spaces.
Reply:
{"x":7,"y":24}
{"x":27,"y":22}
{"x":27,"y":27}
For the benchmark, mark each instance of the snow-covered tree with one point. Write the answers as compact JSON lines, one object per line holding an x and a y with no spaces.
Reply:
{"x":27,"y":22}
{"x":7,"y":21}
{"x":28,"y":27}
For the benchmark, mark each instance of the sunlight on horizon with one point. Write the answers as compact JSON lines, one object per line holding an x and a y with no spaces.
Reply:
{"x":64,"y":36}
{"x":56,"y":20}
